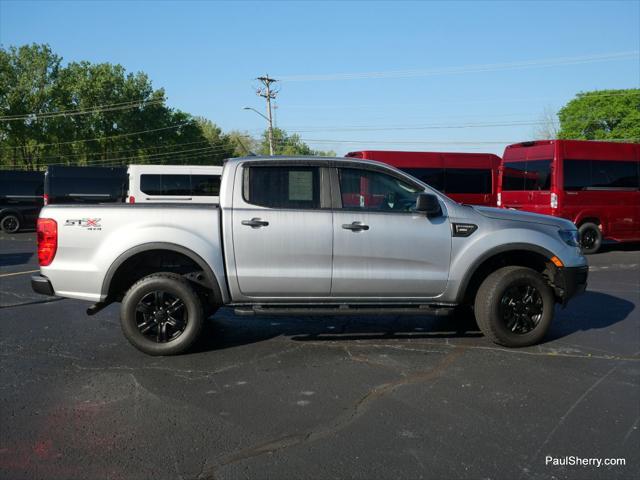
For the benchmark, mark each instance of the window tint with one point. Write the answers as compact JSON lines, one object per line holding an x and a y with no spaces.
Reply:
{"x":577,"y":174}
{"x":205,"y":185}
{"x":71,"y":186}
{"x":467,"y":180}
{"x":368,"y":190}
{"x":283,"y":187}
{"x":434,"y":177}
{"x":24,"y":184}
{"x":600,"y":174}
{"x":166,"y":185}
{"x":527,"y":175}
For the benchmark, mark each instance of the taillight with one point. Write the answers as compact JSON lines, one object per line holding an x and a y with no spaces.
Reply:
{"x":47,"y":240}
{"x":132,"y":199}
{"x":554,"y":200}
{"x":45,"y":199}
{"x":499,"y":199}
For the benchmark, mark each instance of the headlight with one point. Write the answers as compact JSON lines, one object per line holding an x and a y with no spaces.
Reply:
{"x":570,"y":237}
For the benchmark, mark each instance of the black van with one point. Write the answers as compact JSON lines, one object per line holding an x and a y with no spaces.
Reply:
{"x":85,"y":184}
{"x":20,"y":199}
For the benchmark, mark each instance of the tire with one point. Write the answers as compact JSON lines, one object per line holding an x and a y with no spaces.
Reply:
{"x":166,"y":323}
{"x":590,"y":238}
{"x":10,"y":223}
{"x":514,"y":307}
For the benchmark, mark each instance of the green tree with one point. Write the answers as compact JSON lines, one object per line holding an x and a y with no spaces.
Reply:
{"x":602,"y":115}
{"x":285,"y":144}
{"x":27,"y":82}
{"x":94,"y":114}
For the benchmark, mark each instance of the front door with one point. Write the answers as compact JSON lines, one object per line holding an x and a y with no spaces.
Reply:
{"x":381,"y":247}
{"x":282,"y":235}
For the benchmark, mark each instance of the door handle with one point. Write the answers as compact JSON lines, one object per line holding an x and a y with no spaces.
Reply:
{"x":355,"y":226}
{"x":255,"y":223}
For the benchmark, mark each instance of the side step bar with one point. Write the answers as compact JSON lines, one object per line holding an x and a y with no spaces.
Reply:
{"x":343,"y":310}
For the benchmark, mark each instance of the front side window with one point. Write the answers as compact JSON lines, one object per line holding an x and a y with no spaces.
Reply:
{"x":282,"y":187}
{"x":526,"y":175}
{"x":369,"y":190}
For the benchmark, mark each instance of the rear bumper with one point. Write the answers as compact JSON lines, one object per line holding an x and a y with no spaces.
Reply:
{"x":571,"y":281}
{"x":41,"y":284}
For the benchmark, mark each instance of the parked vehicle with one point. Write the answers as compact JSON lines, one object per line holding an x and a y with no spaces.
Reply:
{"x":310,"y":235}
{"x":470,"y":178}
{"x":85,"y":185}
{"x":174,"y":183}
{"x":596,"y":185}
{"x":20,"y":199}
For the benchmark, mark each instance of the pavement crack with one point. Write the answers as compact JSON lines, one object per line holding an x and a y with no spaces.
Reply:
{"x":339,"y":423}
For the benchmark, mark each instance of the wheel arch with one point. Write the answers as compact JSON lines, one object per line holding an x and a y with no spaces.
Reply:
{"x":126,"y":259}
{"x":516,"y":254}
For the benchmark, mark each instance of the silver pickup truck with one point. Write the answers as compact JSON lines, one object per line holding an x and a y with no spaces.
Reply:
{"x":310,"y":235}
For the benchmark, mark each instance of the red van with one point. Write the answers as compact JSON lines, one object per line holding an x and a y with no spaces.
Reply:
{"x":596,"y":185}
{"x":465,"y":177}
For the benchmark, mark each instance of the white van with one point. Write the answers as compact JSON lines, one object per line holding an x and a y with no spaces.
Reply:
{"x":174,"y":183}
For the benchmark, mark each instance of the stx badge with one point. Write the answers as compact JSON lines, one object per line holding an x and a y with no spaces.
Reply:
{"x":88,"y":223}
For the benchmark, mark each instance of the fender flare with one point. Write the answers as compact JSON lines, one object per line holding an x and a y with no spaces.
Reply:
{"x":464,"y":283}
{"x":123,"y":257}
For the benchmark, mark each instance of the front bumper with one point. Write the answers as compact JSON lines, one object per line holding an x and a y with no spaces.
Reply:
{"x":41,"y":284}
{"x":571,"y":281}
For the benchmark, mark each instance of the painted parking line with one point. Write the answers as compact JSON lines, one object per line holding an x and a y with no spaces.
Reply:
{"x":18,"y":273}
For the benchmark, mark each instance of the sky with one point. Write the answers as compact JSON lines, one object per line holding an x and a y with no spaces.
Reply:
{"x":426,"y":76}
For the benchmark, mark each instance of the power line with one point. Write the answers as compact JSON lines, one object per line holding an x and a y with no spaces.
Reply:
{"x":103,"y":138}
{"x":551,"y":62}
{"x":70,"y":113}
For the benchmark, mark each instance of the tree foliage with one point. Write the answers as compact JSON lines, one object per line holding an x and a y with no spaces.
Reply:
{"x":285,"y":144}
{"x":602,"y":115}
{"x":93,"y":114}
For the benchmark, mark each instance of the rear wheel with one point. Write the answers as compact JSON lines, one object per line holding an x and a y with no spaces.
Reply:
{"x":514,"y":306}
{"x":162,"y":314}
{"x":10,"y":223}
{"x":590,"y":237}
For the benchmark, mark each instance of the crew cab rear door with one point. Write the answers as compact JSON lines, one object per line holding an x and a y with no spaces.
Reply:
{"x":381,"y":247}
{"x":282,"y":231}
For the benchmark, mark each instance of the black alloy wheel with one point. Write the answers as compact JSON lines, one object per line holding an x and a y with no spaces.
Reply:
{"x":161,"y":316}
{"x":521,"y":308}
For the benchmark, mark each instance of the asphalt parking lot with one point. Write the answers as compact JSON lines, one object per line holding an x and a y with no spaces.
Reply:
{"x":317,"y":397}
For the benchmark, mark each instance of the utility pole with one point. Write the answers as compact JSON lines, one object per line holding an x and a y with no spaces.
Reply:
{"x":267,"y":92}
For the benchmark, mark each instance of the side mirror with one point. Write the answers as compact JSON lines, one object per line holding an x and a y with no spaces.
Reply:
{"x":428,"y":203}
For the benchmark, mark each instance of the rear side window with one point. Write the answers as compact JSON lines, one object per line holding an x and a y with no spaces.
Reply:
{"x":282,"y":187}
{"x":434,"y":177}
{"x":527,"y":175}
{"x":467,"y":180}
{"x":86,"y":185}
{"x":166,"y":185}
{"x":600,"y":174}
{"x":21,"y":184}
{"x":205,"y":185}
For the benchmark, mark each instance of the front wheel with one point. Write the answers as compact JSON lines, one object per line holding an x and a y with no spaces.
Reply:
{"x":590,"y":238}
{"x":514,"y":307}
{"x":161,"y":314}
{"x":10,"y":223}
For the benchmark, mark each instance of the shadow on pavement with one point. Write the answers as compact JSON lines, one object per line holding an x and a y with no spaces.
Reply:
{"x":591,"y":310}
{"x":10,"y":259}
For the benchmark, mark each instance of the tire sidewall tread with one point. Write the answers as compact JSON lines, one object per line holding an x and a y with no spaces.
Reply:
{"x":177,"y":285}
{"x":487,"y":305}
